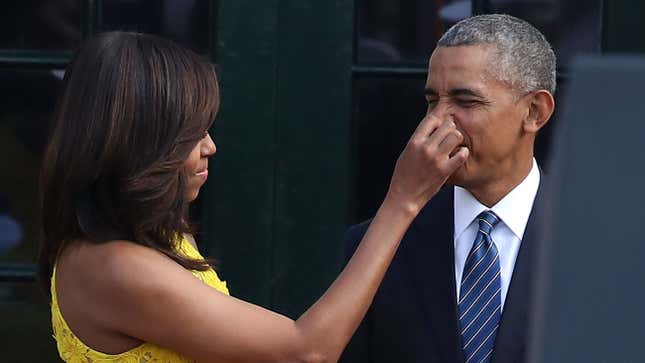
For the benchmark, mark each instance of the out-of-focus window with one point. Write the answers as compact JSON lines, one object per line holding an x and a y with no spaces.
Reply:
{"x":27,"y":100}
{"x":184,"y":21}
{"x":403,"y":32}
{"x":572,"y":27}
{"x":40,"y":24}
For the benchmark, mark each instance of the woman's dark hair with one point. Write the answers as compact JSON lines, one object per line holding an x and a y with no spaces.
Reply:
{"x":133,"y":106}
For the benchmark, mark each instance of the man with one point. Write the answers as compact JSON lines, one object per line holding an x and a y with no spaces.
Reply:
{"x":459,"y":289}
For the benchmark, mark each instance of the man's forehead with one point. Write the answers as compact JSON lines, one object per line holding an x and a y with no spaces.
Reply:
{"x":476,"y":82}
{"x":480,"y":51}
{"x":460,"y":67}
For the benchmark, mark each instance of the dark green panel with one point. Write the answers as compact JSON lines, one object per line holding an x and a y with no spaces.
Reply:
{"x":312,"y":182}
{"x":624,"y":30}
{"x":90,"y":10}
{"x":214,"y":28}
{"x":25,"y":332}
{"x":237,"y":201}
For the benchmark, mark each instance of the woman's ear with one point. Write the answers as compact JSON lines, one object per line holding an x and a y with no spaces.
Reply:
{"x":541,"y":105}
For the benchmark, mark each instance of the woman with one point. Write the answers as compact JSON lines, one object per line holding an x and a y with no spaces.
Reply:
{"x":128,"y":153}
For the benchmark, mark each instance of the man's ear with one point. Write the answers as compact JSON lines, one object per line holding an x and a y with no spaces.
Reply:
{"x":541,"y":105}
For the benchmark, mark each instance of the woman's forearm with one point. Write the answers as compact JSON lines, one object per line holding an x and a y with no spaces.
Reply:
{"x":329,"y":324}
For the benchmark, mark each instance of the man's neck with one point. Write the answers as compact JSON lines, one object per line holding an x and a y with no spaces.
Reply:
{"x":490,"y":193}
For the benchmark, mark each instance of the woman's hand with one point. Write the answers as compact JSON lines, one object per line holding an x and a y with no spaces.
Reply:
{"x":432,"y":154}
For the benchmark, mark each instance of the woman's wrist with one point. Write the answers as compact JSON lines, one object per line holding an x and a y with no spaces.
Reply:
{"x":399,"y":205}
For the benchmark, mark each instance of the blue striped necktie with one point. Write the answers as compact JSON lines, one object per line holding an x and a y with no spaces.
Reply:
{"x":480,"y":299}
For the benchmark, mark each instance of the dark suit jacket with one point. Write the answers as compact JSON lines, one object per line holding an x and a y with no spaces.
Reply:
{"x":413,"y":317}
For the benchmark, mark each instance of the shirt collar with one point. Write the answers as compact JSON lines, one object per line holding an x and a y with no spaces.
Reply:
{"x":514,"y":209}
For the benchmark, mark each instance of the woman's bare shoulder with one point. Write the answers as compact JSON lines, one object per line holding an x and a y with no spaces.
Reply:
{"x":100,"y":260}
{"x":107,"y":265}
{"x":112,"y":279}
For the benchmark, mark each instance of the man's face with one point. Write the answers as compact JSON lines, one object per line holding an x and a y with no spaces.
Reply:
{"x":487,"y":112}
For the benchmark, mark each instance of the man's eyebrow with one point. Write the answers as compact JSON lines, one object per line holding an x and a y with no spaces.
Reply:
{"x":429,"y":91}
{"x":464,"y":92}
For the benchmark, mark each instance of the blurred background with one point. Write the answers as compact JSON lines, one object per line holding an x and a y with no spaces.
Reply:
{"x":318,"y":99}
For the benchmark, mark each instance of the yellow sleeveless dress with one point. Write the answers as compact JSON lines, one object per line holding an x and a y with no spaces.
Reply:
{"x":73,"y":350}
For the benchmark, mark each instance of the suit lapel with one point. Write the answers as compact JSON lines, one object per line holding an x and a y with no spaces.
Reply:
{"x":511,"y":341}
{"x":433,"y":273}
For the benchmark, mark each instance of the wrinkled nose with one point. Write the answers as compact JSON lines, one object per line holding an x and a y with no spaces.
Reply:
{"x":442,"y":109}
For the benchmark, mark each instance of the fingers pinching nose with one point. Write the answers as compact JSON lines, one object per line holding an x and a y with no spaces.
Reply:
{"x":451,"y":121}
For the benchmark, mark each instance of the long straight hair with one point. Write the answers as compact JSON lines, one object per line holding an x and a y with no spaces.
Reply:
{"x":133,"y":107}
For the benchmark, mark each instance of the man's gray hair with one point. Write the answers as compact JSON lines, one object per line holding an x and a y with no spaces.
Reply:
{"x":522,"y":56}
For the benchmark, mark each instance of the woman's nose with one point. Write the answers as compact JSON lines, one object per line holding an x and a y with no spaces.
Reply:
{"x":208,"y":146}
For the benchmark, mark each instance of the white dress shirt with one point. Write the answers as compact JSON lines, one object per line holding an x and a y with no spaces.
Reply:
{"x":513,"y":210}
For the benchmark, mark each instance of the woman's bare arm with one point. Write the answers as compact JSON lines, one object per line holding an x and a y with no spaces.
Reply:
{"x":138,"y":292}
